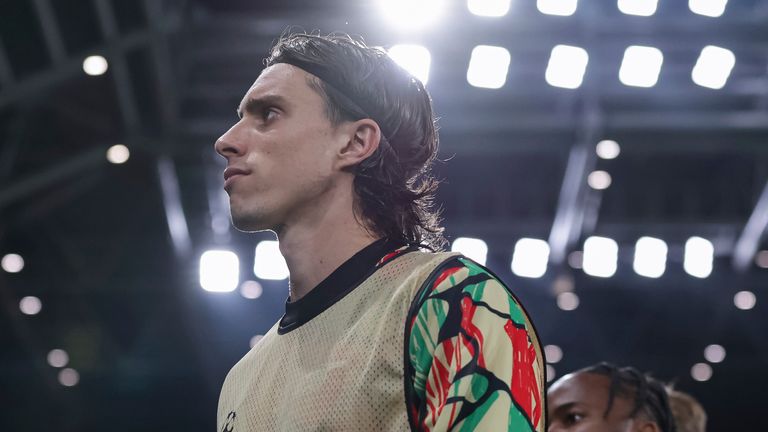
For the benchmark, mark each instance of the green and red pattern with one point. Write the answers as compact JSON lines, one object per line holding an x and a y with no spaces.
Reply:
{"x":473,"y":361}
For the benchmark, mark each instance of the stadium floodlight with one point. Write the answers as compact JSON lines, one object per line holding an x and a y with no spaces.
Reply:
{"x":12,"y":263}
{"x":745,"y":300}
{"x":699,"y":253}
{"x":638,"y":7}
{"x":713,"y":67}
{"x":268,"y":262}
{"x":710,"y":8}
{"x":557,"y":7}
{"x":567,"y":65}
{"x":599,"y":180}
{"x":701,"y":372}
{"x":118,"y":154}
{"x":416,"y":59}
{"x":68,"y":377}
{"x":600,"y":256}
{"x":714,"y":353}
{"x":530,"y":258}
{"x":472,"y":248}
{"x":641,"y":66}
{"x":410,"y":15}
{"x":553,"y":353}
{"x":608,"y":149}
{"x":488,"y":66}
{"x":219,"y":271}
{"x":95,"y":65}
{"x":567,"y":301}
{"x":58,"y":358}
{"x":650,"y":257}
{"x":30,"y":305}
{"x":488,"y":8}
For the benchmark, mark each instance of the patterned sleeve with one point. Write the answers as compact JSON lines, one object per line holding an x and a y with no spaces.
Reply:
{"x":473,"y":360}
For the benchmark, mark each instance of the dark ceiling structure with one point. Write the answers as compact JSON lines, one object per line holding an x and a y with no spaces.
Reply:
{"x":111,"y":251}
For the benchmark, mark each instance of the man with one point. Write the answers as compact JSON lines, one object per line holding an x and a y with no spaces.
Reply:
{"x":605,"y":398}
{"x":331,"y":152}
{"x":688,"y":412}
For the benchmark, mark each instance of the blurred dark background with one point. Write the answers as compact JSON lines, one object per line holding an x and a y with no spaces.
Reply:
{"x":111,"y":252}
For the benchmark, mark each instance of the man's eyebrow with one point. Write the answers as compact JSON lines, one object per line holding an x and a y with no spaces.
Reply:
{"x":255,"y":104}
{"x":563,"y":408}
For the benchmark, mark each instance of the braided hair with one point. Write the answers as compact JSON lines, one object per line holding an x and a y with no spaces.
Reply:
{"x":649,"y":394}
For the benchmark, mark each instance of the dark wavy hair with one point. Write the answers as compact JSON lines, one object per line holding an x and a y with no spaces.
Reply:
{"x":649,"y":394}
{"x":394,"y":189}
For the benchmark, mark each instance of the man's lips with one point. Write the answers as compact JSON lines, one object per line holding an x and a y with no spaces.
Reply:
{"x":231,"y":173}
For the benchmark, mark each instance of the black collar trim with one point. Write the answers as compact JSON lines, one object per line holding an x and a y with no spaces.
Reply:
{"x":341,"y":282}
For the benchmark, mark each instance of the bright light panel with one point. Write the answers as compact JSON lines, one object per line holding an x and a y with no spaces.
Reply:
{"x":650,"y":257}
{"x":95,"y":65}
{"x":638,"y":7}
{"x":710,"y":8}
{"x":414,"y":58}
{"x":68,"y":377}
{"x":551,"y":373}
{"x":713,"y":67}
{"x":251,"y":289}
{"x":641,"y":66}
{"x":489,"y":8}
{"x":488,"y":66}
{"x":12,"y":263}
{"x":575,"y":259}
{"x":219,"y":271}
{"x":608,"y":149}
{"x":701,"y":372}
{"x":472,"y":248}
{"x":557,"y":7}
{"x":761,"y":259}
{"x":269,"y":262}
{"x":567,"y":301}
{"x":58,"y":358}
{"x":699,"y":253}
{"x":118,"y":154}
{"x":530,"y":258}
{"x":600,"y":256}
{"x":599,"y":180}
{"x":553,"y":353}
{"x":567,"y":65}
{"x":745,"y":300}
{"x":412,"y":14}
{"x":30,"y":305}
{"x":714,"y":353}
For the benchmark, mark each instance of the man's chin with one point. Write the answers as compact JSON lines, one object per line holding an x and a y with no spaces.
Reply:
{"x":246,"y":224}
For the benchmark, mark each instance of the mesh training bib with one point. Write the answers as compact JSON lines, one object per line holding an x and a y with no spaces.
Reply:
{"x":341,"y":371}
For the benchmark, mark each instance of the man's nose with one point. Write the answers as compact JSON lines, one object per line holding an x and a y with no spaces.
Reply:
{"x":228,"y":145}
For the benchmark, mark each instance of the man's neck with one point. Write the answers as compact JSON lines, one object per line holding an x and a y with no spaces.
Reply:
{"x":313,"y":253}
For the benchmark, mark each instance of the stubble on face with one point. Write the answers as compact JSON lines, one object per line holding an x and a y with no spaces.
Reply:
{"x":289,"y":156}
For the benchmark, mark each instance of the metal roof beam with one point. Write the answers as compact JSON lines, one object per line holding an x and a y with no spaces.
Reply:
{"x":50,"y":30}
{"x":749,"y":240}
{"x":124,"y":88}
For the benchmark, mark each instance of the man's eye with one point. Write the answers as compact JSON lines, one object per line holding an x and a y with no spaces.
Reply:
{"x":573,"y":418}
{"x":269,"y":113}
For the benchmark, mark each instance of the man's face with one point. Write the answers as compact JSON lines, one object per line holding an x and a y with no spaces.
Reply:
{"x":281,"y":152}
{"x":577,"y":403}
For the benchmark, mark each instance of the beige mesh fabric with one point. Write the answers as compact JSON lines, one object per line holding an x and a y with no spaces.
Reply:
{"x":341,"y":371}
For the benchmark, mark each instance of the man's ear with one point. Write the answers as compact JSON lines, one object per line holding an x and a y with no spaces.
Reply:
{"x":643,"y":425}
{"x":363,"y":139}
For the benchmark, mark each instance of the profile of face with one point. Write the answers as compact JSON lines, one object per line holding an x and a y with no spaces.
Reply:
{"x":577,"y":403}
{"x":282,"y":154}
